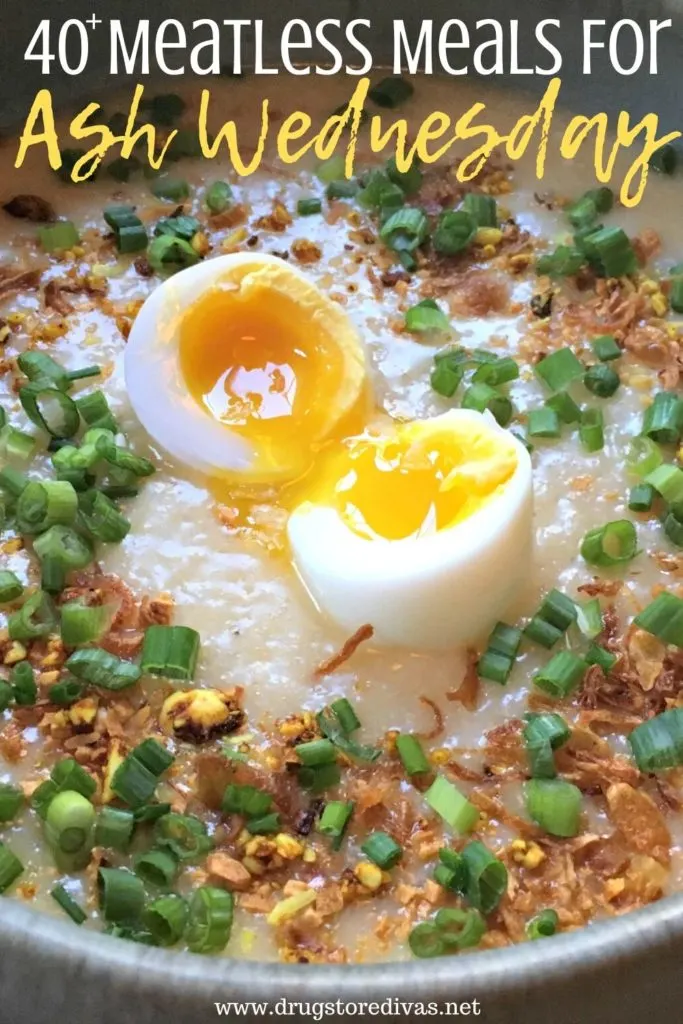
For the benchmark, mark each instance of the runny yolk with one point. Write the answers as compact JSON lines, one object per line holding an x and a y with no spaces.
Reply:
{"x":261,"y":368}
{"x":415,"y":482}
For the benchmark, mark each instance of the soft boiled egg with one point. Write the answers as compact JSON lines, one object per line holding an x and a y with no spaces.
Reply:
{"x":423,"y":530}
{"x":241,"y":368}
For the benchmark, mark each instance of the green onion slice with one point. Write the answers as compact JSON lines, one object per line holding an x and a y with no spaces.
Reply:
{"x":121,"y":895}
{"x":486,"y":877}
{"x":449,"y":803}
{"x":555,"y":805}
{"x":612,"y":544}
{"x":210,"y":920}
{"x":170,"y":651}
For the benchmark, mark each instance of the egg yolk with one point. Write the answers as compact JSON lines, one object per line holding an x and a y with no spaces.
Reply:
{"x":261,"y":368}
{"x":414,"y":482}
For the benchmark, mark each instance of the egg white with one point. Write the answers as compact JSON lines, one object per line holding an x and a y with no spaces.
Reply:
{"x":440,"y":591}
{"x":158,"y":390}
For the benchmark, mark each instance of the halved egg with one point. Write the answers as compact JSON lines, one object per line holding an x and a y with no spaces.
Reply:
{"x":241,"y":368}
{"x":423,"y":530}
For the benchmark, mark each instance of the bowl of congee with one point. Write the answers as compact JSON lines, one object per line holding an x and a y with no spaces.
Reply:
{"x":341,"y":543}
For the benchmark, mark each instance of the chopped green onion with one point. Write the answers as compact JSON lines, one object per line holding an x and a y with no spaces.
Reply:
{"x":412,"y":755}
{"x":505,"y":640}
{"x":591,"y":430}
{"x":482,"y":397}
{"x":165,"y":108}
{"x":67,"y":692}
{"x":612,"y":544}
{"x":6,"y":695}
{"x":564,"y":405}
{"x":170,"y":651}
{"x":316,"y":752}
{"x":341,"y":189}
{"x":382,"y":849}
{"x":542,"y":734}
{"x":10,"y":868}
{"x":84,"y":624}
{"x":246,"y":800}
{"x":346,"y":716}
{"x":41,"y":505}
{"x":565,"y":261}
{"x":583,"y":213}
{"x":641,"y":497}
{"x":589,"y":618}
{"x":334,"y":820}
{"x":332,"y":169}
{"x":664,"y":159}
{"x":494,"y":666}
{"x":408,"y":181}
{"x":559,"y":369}
{"x":168,"y":254}
{"x":17,"y":445}
{"x":451,"y":872}
{"x":643,"y":457}
{"x":331,"y":728}
{"x":59,"y":236}
{"x":425,"y":941}
{"x":558,"y":609}
{"x":541,"y":632}
{"x":184,"y":835}
{"x":11,"y":586}
{"x":136,"y":778}
{"x":210,"y":920}
{"x":166,"y":918}
{"x":38,"y":366}
{"x":500,"y":371}
{"x":120,"y":458}
{"x":69,"y":774}
{"x":35,"y":619}
{"x":68,"y":904}
{"x":12,"y":481}
{"x":603,"y":197}
{"x":268,"y":824}
{"x":673,"y":527}
{"x":69,"y":823}
{"x":555,"y":805}
{"x":596,"y":655}
{"x":157,"y":867}
{"x":391,"y":92}
{"x":460,"y":929}
{"x":668,"y":481}
{"x":64,"y":544}
{"x":307,"y":207}
{"x":448,"y":372}
{"x":121,"y":895}
{"x":114,"y":829}
{"x":543,"y":925}
{"x":405,"y":230}
{"x":94,"y":408}
{"x":168,"y":187}
{"x":218,"y":197}
{"x":150,"y":812}
{"x":85,"y":373}
{"x":663,"y":420}
{"x":426,"y":316}
{"x":601,"y":380}
{"x":481,"y":208}
{"x":610,"y":252}
{"x":100,"y":668}
{"x":449,"y":803}
{"x":606,"y":348}
{"x":486,"y":877}
{"x":11,"y":801}
{"x":320,"y":778}
{"x":102,"y":518}
{"x":657,"y":744}
{"x":23,"y":684}
{"x":180,"y":225}
{"x":454,"y":232}
{"x":663,"y":617}
{"x":561,"y":675}
{"x":676,"y":294}
{"x":543,"y":422}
